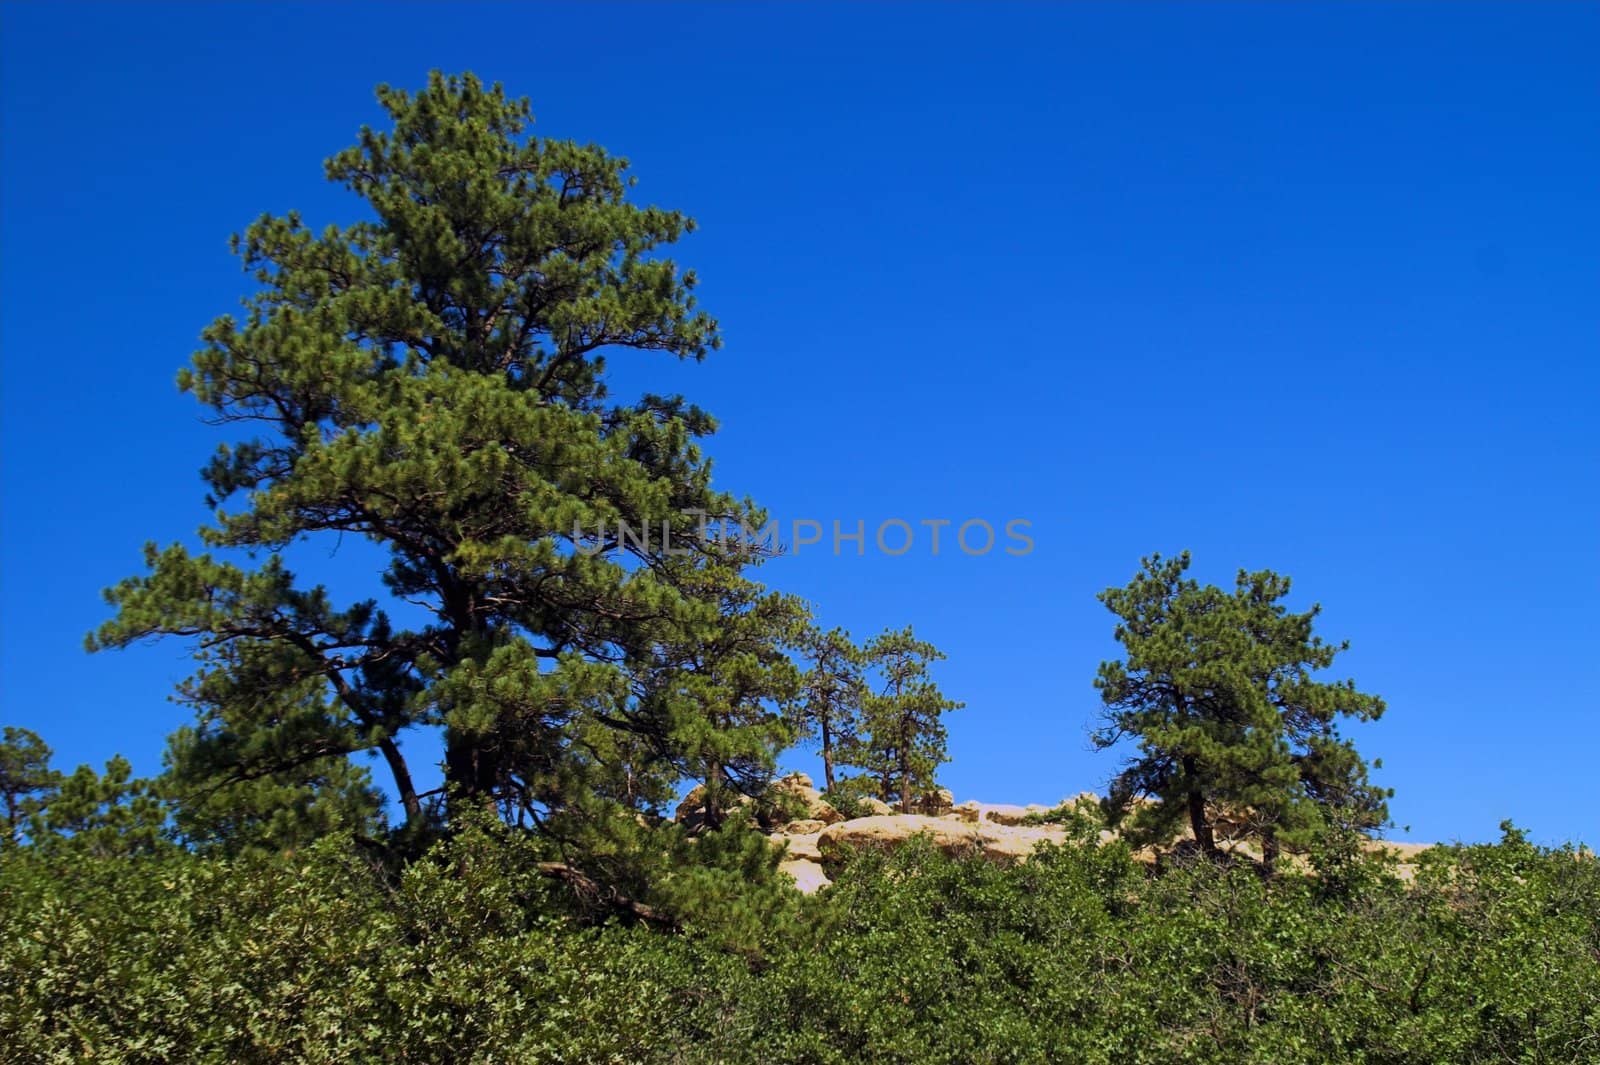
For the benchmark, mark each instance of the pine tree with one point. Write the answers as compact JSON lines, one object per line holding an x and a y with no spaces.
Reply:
{"x":104,"y":814}
{"x":902,"y":738}
{"x":434,"y":379}
{"x":214,"y":808}
{"x":26,"y":779}
{"x":1217,"y":690}
{"x":832,"y":693}
{"x":719,"y":689}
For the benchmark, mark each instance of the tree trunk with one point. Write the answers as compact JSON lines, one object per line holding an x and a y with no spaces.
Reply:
{"x":402,"y":779}
{"x":469,"y":773}
{"x":827,"y":756}
{"x":1197,"y":811}
{"x":713,"y":804}
{"x":905,"y":766}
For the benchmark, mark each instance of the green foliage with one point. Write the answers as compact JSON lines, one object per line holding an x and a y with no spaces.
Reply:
{"x":26,"y":780}
{"x":1084,"y":814}
{"x":847,"y":796}
{"x":1233,"y":732}
{"x":434,"y":379}
{"x":322,"y":958}
{"x":278,"y":811}
{"x":832,"y":693}
{"x":471,"y":954}
{"x":902,"y":740}
{"x":100,"y":815}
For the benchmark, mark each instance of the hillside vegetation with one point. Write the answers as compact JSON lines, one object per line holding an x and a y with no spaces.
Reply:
{"x":1492,"y":954}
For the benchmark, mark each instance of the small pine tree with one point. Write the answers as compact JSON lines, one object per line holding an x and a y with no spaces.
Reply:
{"x":831,"y":695}
{"x":104,"y":814}
{"x":1217,"y":689}
{"x":26,"y":780}
{"x":902,"y":739}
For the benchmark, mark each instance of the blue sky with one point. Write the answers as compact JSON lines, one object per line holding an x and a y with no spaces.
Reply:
{"x":1301,"y":287}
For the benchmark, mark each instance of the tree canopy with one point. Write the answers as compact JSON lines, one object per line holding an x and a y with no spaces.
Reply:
{"x":1217,"y":689}
{"x":902,"y":740}
{"x":433,"y":378}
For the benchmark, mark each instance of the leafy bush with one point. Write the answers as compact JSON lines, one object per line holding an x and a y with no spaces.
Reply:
{"x":846,"y":796}
{"x":1082,"y":955}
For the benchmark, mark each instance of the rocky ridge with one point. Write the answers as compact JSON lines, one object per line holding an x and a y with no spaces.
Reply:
{"x":1005,"y":833}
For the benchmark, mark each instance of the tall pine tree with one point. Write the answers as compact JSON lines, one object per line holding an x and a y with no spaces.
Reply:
{"x":433,"y":379}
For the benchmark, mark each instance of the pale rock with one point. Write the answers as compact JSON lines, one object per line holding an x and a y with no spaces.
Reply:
{"x":1404,"y":851}
{"x":887,"y":833}
{"x":1005,"y":844}
{"x":999,"y":813}
{"x":816,"y":808}
{"x":1006,"y":814}
{"x":807,"y":876}
{"x":807,"y":827}
{"x":691,"y":803}
{"x":804,"y":846}
{"x":1009,"y":844}
{"x":824,"y":811}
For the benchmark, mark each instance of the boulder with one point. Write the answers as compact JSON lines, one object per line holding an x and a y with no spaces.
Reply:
{"x":891,"y":831}
{"x":803,"y":846}
{"x":938,"y":802}
{"x":999,"y":813}
{"x":811,"y":804}
{"x":1404,"y":851}
{"x":691,"y":803}
{"x":1010,"y":844}
{"x":1005,"y":844}
{"x":807,"y":827}
{"x":807,"y":876}
{"x":876,"y":807}
{"x":691,"y":812}
{"x":824,"y":811}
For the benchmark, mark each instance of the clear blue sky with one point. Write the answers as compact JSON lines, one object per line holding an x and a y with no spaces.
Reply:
{"x":1300,"y":287}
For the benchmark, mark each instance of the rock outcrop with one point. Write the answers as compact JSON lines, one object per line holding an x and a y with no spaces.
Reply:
{"x":800,"y":846}
{"x":792,"y":800}
{"x":797,"y":788}
{"x":890,"y":831}
{"x":816,"y":838}
{"x":997,"y":812}
{"x":808,"y":876}
{"x":1000,"y":843}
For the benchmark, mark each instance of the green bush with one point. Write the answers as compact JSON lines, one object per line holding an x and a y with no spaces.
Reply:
{"x":1082,"y":955}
